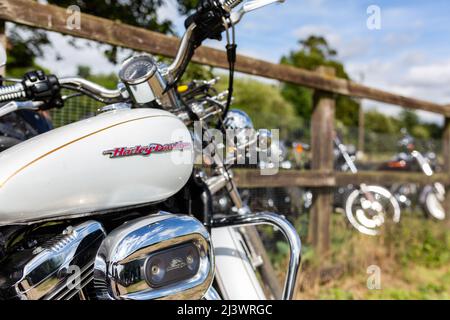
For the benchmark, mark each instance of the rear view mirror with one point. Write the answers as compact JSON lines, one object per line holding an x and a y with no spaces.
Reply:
{"x":256,"y":4}
{"x":251,"y":6}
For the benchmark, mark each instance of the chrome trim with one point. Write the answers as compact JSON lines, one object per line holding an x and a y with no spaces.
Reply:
{"x":238,"y":120}
{"x":285,"y":227}
{"x":66,"y":293}
{"x":217,"y":183}
{"x":119,"y":265}
{"x":177,"y":63}
{"x":46,"y":274}
{"x":19,"y":105}
{"x":93,"y":88}
{"x":115,"y":107}
{"x":147,"y":88}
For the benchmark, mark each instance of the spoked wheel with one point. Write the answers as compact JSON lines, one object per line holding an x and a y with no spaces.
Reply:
{"x":368,"y":211}
{"x":434,"y":202}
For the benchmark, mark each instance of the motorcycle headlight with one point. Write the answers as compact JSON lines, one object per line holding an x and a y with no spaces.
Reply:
{"x":238,"y":119}
{"x":241,"y":127}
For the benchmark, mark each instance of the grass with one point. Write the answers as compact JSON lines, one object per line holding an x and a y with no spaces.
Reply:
{"x":413,"y":258}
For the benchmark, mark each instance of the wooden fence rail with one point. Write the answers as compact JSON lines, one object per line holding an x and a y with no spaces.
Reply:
{"x":251,"y":179}
{"x":322,"y":179}
{"x":54,"y":18}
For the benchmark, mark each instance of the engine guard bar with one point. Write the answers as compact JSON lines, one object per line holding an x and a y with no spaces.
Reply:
{"x":287,"y":230}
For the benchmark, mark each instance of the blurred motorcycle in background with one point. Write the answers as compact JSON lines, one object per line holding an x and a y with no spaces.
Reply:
{"x":429,"y":198}
{"x":367,"y":207}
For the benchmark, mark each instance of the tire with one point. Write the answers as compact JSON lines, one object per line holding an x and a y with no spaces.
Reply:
{"x":369,"y":220}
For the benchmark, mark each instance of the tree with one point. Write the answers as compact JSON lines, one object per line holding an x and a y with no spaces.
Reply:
{"x":27,"y":44}
{"x":379,"y":123}
{"x":313,"y":53}
{"x":409,"y":119}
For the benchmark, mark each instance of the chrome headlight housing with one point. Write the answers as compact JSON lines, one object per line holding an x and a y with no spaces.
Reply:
{"x":238,"y":119}
{"x":163,"y":256}
{"x":241,"y":126}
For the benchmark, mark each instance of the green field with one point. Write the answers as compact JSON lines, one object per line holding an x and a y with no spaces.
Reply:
{"x":413,"y":258}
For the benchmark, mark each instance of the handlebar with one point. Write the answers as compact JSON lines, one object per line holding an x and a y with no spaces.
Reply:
{"x":209,"y":22}
{"x":92,"y":89}
{"x":185,"y":51}
{"x":45,"y":92}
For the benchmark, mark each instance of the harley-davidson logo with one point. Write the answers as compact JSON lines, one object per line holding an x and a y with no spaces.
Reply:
{"x":175,"y":264}
{"x":146,"y":150}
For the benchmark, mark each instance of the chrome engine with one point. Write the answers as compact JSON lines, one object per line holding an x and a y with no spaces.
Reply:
{"x":56,"y":270}
{"x":162,"y":256}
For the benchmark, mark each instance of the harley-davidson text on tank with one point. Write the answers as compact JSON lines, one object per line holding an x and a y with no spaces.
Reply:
{"x":146,"y":150}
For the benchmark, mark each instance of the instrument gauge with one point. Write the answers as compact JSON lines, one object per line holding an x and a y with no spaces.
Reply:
{"x":143,"y":80}
{"x":138,"y":69}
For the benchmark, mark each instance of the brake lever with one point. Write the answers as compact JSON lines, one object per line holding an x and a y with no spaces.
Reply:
{"x":20,"y":105}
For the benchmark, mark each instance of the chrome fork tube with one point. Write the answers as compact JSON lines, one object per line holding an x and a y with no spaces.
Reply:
{"x":288,"y":231}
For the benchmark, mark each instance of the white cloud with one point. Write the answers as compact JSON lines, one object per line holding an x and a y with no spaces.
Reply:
{"x":399,"y":39}
{"x":169,"y":11}
{"x":88,"y":55}
{"x":348,"y":47}
{"x":430,"y":75}
{"x":410,"y":75}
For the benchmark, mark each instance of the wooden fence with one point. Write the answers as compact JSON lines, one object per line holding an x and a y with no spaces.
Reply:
{"x":321,"y":178}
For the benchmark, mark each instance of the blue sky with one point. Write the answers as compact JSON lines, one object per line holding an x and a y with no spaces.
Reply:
{"x":410,"y":54}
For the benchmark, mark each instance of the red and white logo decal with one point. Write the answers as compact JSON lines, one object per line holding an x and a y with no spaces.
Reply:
{"x":146,"y":150}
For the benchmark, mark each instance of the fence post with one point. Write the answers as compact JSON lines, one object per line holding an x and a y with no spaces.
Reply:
{"x":446,"y":155}
{"x":361,"y":129}
{"x":322,"y":134}
{"x":3,"y":42}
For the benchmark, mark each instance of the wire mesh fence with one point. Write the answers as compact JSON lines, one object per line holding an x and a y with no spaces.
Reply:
{"x":75,"y":109}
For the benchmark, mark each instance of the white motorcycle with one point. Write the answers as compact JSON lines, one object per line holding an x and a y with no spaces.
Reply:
{"x":116,"y":206}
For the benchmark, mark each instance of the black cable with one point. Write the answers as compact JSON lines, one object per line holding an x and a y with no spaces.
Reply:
{"x":89,"y":94}
{"x":231,"y":56}
{"x":231,"y":50}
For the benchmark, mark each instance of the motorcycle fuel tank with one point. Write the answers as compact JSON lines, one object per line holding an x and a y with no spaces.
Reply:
{"x":114,"y":160}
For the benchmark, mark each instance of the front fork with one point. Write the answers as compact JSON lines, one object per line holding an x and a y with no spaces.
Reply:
{"x":257,"y":254}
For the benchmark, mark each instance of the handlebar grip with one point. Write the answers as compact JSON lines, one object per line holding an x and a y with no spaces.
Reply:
{"x":13,"y":92}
